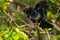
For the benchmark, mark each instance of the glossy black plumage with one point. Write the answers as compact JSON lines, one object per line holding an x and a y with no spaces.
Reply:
{"x":39,"y":13}
{"x":45,"y":24}
{"x":42,"y":7}
{"x":33,"y":14}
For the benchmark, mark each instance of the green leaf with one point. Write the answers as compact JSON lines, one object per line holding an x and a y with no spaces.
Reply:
{"x":1,"y":2}
{"x":6,"y":36}
{"x":52,"y":1}
{"x":23,"y":35}
{"x":17,"y":30}
{"x":36,"y":33}
{"x":16,"y":37}
{"x":1,"y":38}
{"x":10,"y":38}
{"x":50,"y":14}
{"x":5,"y":5}
{"x":58,"y":37}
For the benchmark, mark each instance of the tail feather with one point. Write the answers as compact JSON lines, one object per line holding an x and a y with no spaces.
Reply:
{"x":45,"y":24}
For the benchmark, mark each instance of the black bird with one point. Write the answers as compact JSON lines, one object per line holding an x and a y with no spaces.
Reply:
{"x":33,"y":15}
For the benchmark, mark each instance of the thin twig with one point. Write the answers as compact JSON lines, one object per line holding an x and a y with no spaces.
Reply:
{"x":49,"y":38}
{"x":10,"y":18}
{"x":23,"y":5}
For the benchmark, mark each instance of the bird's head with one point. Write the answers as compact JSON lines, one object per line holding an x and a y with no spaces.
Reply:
{"x":27,"y":10}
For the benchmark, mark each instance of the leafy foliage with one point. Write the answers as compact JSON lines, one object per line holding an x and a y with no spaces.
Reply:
{"x":14,"y":34}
